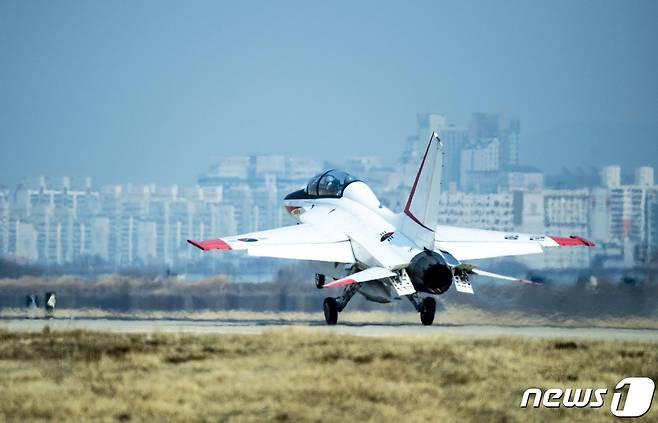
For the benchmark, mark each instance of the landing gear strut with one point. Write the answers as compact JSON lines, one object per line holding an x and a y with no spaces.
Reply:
{"x":333,"y":306}
{"x":425,"y":306}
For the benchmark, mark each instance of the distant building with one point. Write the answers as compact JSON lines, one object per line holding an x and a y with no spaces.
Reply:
{"x":529,"y":212}
{"x":485,"y":211}
{"x":600,"y":215}
{"x":269,"y":164}
{"x":485,"y":127}
{"x":554,"y":212}
{"x":521,"y":178}
{"x":415,"y":145}
{"x":227,"y":169}
{"x":567,"y":209}
{"x":652,"y":225}
{"x":623,"y":214}
{"x":454,"y":140}
{"x":4,"y":223}
{"x":480,"y":164}
{"x":627,"y":208}
{"x":100,"y":238}
{"x":253,"y":170}
{"x":300,"y":169}
{"x":23,"y":241}
{"x":611,"y":176}
{"x":644,"y":177}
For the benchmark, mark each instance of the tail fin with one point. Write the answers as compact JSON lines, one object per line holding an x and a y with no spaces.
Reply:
{"x":421,"y":213}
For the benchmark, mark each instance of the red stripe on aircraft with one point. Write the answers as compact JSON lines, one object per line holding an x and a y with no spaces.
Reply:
{"x":339,"y":282}
{"x":572,"y":240}
{"x":407,"y":207}
{"x":212,"y":244}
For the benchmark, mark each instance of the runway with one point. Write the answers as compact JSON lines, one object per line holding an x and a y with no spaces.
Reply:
{"x":357,"y":329}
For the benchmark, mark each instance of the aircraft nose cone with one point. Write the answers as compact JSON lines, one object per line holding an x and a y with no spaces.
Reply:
{"x":296,"y":195}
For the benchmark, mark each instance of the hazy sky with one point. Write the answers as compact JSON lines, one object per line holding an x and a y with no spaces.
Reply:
{"x":150,"y":91}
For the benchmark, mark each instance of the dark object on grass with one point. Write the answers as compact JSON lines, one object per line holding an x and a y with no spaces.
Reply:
{"x":32,"y":301}
{"x":51,"y":303}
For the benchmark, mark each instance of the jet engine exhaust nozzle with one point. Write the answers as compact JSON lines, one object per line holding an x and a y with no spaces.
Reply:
{"x":430,"y":273}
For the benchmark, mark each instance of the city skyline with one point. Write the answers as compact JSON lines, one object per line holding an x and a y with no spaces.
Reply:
{"x":140,"y":225}
{"x":64,"y":222}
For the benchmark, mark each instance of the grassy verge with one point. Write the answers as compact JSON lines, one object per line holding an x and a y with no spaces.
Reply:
{"x":302,"y":375}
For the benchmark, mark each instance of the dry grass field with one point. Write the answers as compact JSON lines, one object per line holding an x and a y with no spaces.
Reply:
{"x":302,"y":375}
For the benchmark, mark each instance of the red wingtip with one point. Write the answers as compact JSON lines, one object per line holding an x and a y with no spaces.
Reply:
{"x":213,"y":244}
{"x":572,"y":240}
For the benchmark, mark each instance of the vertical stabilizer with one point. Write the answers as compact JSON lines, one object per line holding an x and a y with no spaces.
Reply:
{"x":421,"y":212}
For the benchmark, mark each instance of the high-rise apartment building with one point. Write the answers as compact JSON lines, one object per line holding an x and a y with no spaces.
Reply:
{"x":644,"y":176}
{"x":611,"y":176}
{"x":485,"y":127}
{"x":454,"y":139}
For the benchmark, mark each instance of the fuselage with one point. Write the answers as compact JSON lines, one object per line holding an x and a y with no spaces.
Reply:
{"x":350,"y":207}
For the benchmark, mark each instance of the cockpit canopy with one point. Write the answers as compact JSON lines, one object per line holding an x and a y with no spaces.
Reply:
{"x":329,"y":184}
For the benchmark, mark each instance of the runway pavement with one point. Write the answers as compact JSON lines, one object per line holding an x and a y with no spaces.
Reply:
{"x":359,"y":329}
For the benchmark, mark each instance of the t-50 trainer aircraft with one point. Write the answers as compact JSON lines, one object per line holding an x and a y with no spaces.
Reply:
{"x":364,"y":247}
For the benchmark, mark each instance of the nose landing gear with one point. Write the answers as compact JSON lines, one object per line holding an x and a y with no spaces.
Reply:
{"x":319,"y":280}
{"x":333,"y":306}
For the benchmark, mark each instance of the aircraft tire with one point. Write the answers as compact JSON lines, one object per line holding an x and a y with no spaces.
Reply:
{"x":330,"y":308}
{"x":427,"y":311}
{"x":319,"y":280}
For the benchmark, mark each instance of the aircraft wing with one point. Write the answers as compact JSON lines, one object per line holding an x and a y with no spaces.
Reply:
{"x":471,"y":244}
{"x":302,"y":242}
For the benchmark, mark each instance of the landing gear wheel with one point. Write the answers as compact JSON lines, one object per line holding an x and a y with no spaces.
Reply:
{"x":319,"y":280}
{"x":330,"y":308}
{"x":427,"y":310}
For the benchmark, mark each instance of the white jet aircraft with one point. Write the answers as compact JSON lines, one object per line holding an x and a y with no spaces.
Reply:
{"x":364,"y":247}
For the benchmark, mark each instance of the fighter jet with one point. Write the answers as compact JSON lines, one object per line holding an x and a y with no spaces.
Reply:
{"x":361,"y":246}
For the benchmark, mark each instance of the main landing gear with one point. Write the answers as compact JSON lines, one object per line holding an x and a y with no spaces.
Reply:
{"x":333,"y":306}
{"x":425,"y":306}
{"x":330,"y":308}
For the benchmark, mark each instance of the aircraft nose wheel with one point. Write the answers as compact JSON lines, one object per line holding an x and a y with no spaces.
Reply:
{"x":330,"y":308}
{"x":427,"y":310}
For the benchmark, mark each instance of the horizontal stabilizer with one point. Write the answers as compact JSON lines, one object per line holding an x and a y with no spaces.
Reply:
{"x":503,"y":277}
{"x":211,"y":244}
{"x":369,"y":274}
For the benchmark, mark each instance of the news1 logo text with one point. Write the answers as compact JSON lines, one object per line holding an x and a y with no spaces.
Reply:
{"x":635,"y":403}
